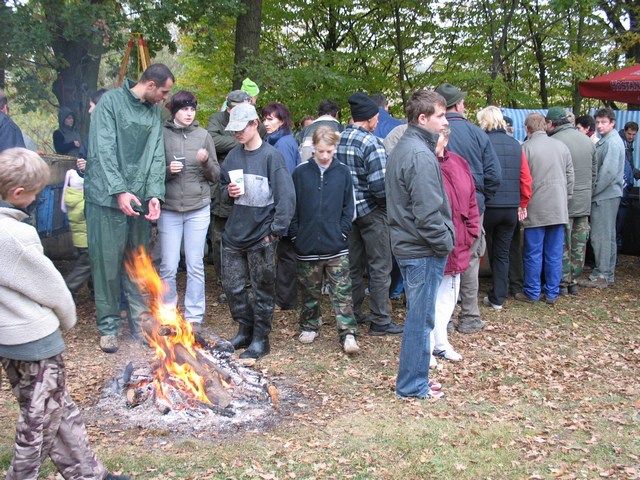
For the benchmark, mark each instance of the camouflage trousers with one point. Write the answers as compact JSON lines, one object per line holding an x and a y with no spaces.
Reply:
{"x":576,"y":233}
{"x":335,"y":272}
{"x":49,"y":423}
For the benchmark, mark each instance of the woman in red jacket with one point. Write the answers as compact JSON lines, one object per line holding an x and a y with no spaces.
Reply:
{"x":461,"y":192}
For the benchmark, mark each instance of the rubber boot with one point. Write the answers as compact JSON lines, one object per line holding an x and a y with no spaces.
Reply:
{"x":243,"y":337}
{"x":259,"y":347}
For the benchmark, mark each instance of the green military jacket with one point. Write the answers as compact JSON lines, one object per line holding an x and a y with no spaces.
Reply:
{"x":126,"y":149}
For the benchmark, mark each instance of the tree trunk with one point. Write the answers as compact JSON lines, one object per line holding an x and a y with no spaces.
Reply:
{"x":247,"y":39}
{"x":78,"y":62}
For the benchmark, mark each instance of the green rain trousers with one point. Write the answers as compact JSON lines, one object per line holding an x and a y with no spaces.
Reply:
{"x":111,"y":236}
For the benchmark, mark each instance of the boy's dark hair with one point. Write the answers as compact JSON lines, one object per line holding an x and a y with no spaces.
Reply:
{"x":157,"y":73}
{"x":379,"y":100}
{"x":97,"y":95}
{"x":423,"y":101}
{"x":586,"y":121}
{"x":605,"y":113}
{"x":20,"y":167}
{"x":633,"y":126}
{"x":281,"y":112}
{"x":328,"y":107}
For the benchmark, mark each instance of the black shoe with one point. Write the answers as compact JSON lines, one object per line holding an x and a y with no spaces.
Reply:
{"x":564,"y":291}
{"x":259,"y":348}
{"x":243,"y":338}
{"x":549,"y":301}
{"x":391,"y":328}
{"x":574,"y":289}
{"x":117,"y":477}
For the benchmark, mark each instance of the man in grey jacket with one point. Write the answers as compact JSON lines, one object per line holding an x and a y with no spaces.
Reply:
{"x":422,"y":234}
{"x":583,"y":157}
{"x":471,"y":143}
{"x":607,"y":192}
{"x":547,"y":213}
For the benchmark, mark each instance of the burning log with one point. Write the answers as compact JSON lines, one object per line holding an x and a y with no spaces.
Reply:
{"x":213,"y":388}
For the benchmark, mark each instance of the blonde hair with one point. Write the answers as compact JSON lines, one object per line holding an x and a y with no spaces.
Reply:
{"x":20,"y":167}
{"x":490,"y":118}
{"x":326,"y":135}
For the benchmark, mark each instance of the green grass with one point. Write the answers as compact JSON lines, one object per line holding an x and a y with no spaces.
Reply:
{"x":543,"y":392}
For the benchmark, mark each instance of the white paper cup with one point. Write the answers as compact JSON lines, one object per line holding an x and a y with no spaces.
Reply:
{"x":237,"y":177}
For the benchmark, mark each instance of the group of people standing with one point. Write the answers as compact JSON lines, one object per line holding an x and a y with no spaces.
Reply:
{"x":345,"y":210}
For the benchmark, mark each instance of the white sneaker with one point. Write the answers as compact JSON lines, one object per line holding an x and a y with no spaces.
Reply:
{"x":308,"y":336}
{"x":350,"y":345}
{"x":488,"y":303}
{"x":449,"y":354}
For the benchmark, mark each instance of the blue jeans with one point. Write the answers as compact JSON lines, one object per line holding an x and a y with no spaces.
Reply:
{"x":192,"y":227}
{"x":543,"y":248}
{"x":422,"y":278}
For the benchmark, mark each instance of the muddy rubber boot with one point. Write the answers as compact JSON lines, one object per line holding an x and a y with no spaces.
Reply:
{"x":259,"y":347}
{"x":243,"y":337}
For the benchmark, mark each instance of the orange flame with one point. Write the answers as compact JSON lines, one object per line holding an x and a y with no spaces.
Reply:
{"x":169,"y":371}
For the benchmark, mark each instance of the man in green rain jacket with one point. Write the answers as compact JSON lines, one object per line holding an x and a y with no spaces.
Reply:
{"x":124,"y":185}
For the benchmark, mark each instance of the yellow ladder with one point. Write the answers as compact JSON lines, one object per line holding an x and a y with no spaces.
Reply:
{"x":143,"y":58}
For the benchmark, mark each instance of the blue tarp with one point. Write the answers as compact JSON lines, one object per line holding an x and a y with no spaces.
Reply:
{"x":622,"y":117}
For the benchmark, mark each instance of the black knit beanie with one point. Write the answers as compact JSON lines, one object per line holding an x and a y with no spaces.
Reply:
{"x":362,"y":107}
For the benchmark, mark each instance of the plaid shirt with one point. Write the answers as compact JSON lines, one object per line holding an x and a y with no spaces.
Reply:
{"x":366,"y":157}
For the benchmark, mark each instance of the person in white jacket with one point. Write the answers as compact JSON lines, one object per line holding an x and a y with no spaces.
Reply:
{"x":34,"y":305}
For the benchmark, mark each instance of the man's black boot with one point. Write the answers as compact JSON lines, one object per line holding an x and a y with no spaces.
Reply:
{"x":243,"y":337}
{"x":259,"y":347}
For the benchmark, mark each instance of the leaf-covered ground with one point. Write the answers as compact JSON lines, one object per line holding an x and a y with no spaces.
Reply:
{"x":542,"y":392}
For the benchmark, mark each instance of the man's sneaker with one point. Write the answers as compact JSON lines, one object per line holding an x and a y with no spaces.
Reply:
{"x":449,"y":354}
{"x":110,"y":476}
{"x":391,"y":328}
{"x":432,"y":395}
{"x":598,"y":282}
{"x":549,"y":301}
{"x":435,"y":395}
{"x":522,"y":297}
{"x":488,"y":303}
{"x":433,"y":385}
{"x":196,"y":327}
{"x":564,"y":291}
{"x":469,"y":325}
{"x":308,"y":336}
{"x":350,"y":345}
{"x":109,"y":343}
{"x":573,"y":289}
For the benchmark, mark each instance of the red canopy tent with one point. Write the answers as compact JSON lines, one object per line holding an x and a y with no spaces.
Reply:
{"x":619,"y":86}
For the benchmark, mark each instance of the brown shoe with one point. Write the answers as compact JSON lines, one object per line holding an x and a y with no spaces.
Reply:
{"x":598,"y":282}
{"x":522,"y":297}
{"x":109,"y":343}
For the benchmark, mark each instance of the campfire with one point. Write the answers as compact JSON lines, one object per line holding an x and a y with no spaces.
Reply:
{"x":189,"y":371}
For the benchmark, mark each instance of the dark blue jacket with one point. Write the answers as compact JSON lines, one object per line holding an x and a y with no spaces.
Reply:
{"x":324,"y":210}
{"x":287,"y":146}
{"x":386,"y":123}
{"x":10,"y":134}
{"x":471,"y":143}
{"x":509,"y":153}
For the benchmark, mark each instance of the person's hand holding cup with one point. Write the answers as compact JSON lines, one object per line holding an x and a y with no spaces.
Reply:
{"x":236,"y":186}
{"x":176,"y":165}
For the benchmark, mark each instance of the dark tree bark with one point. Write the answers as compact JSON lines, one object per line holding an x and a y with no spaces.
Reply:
{"x":247,"y":46}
